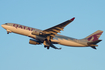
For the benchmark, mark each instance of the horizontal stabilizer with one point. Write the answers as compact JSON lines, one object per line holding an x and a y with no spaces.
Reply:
{"x":93,"y":47}
{"x":94,"y":42}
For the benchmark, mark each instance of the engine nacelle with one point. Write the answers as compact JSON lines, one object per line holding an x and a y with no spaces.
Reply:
{"x":37,"y":33}
{"x":33,"y":42}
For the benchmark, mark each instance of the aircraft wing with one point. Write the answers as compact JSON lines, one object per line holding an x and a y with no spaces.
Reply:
{"x":56,"y":29}
{"x":54,"y":47}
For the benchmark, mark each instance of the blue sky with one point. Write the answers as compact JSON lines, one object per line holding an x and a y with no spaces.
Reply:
{"x":17,"y":54}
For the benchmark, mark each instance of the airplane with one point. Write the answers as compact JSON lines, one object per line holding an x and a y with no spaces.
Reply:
{"x":49,"y":37}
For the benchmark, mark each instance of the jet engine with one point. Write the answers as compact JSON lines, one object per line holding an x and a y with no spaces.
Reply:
{"x":34,"y":42}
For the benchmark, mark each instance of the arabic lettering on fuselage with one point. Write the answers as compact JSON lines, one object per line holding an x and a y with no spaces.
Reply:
{"x":23,"y":27}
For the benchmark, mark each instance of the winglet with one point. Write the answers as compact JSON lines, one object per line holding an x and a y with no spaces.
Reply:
{"x":72,"y":19}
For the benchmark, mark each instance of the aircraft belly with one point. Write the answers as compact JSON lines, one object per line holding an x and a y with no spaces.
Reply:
{"x":70,"y":43}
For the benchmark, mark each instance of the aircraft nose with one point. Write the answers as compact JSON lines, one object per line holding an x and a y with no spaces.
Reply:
{"x":2,"y":25}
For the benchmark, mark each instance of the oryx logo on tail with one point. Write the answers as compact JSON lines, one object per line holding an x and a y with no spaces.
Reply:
{"x":95,"y":36}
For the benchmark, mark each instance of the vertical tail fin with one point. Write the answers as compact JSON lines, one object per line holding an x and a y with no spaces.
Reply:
{"x":93,"y":39}
{"x":94,"y":36}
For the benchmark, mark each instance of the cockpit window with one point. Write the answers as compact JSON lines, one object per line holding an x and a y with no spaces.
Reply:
{"x":6,"y":23}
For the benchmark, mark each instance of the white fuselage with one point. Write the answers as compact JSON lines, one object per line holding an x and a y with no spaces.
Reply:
{"x":23,"y":30}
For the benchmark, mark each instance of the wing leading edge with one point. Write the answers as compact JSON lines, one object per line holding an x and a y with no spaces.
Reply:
{"x":56,"y":29}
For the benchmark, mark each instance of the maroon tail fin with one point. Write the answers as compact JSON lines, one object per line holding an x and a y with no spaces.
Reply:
{"x":95,"y":36}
